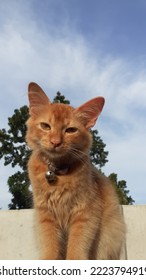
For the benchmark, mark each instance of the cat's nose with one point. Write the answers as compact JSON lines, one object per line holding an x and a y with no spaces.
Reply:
{"x":56,"y":142}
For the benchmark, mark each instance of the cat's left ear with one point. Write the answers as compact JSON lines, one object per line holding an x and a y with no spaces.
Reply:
{"x":37,"y":97}
{"x":89,"y":111}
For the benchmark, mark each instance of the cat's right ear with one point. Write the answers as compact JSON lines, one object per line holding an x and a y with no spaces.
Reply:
{"x":37,"y":97}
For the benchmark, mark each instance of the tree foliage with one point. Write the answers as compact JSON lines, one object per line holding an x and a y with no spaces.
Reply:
{"x":14,"y":151}
{"x":59,"y":98}
{"x":98,"y":154}
{"x":19,"y":188}
{"x":121,"y":189}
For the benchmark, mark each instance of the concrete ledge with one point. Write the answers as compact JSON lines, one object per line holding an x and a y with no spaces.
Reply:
{"x":135,"y":218}
{"x":18,"y":240}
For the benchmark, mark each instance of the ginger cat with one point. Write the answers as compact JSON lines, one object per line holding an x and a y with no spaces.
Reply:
{"x":78,"y":213}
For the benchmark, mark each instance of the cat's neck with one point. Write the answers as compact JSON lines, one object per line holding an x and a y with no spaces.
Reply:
{"x":64,"y":165}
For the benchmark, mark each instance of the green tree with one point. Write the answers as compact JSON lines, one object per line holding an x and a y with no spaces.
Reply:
{"x":98,"y":154}
{"x":59,"y":98}
{"x":14,"y":151}
{"x":19,"y":188}
{"x":121,"y":189}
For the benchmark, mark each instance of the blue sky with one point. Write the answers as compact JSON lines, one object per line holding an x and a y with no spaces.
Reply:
{"x":83,"y":48}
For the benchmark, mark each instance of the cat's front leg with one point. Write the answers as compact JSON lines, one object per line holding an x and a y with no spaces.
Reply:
{"x":49,"y":236}
{"x":81,"y":236}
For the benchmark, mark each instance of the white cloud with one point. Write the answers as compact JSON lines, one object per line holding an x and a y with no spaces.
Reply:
{"x":67,"y":63}
{"x":127,"y":158}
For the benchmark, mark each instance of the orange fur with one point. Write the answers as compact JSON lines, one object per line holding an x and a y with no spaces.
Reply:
{"x":78,"y":215}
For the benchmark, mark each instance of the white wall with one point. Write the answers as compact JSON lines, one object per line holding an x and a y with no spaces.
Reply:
{"x":18,"y":240}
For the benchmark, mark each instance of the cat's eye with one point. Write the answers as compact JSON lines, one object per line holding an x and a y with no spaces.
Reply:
{"x":71,"y":130}
{"x":45,"y":126}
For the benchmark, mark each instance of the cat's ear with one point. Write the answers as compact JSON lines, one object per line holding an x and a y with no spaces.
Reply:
{"x":37,"y":97}
{"x":89,"y":111}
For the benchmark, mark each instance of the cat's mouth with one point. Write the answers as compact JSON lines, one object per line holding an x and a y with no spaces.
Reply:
{"x":56,"y":152}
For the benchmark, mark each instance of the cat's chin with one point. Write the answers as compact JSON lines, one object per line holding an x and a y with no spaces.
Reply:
{"x":59,"y":158}
{"x":54,"y":155}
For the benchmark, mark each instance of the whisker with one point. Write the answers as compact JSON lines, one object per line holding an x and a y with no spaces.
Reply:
{"x":78,"y":154}
{"x":79,"y":151}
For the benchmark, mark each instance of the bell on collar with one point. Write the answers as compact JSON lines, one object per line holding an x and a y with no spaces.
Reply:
{"x":50,"y":176}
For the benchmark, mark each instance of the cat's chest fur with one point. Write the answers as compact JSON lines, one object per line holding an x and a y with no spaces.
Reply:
{"x":68,"y":195}
{"x":66,"y":200}
{"x":62,"y":203}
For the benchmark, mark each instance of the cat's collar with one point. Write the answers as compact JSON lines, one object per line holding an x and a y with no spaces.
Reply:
{"x":53,"y":172}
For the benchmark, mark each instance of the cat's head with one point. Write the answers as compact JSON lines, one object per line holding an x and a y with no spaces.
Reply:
{"x":58,"y":129}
